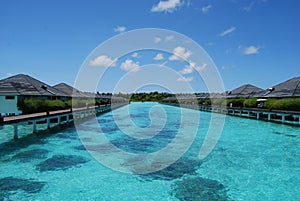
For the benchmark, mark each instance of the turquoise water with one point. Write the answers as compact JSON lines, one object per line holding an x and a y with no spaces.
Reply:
{"x":253,"y":160}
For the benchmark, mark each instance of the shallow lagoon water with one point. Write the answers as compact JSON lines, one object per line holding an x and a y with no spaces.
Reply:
{"x":253,"y":160}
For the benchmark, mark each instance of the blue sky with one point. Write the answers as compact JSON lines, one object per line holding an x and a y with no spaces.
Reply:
{"x":250,"y":41}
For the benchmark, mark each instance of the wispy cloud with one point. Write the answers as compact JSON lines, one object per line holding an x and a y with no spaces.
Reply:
{"x":251,"y":50}
{"x":185,"y":79}
{"x":164,"y":63}
{"x":130,"y":65}
{"x":156,"y":39}
{"x":227,"y":31}
{"x":166,"y":6}
{"x":135,"y":55}
{"x":158,"y":57}
{"x":249,"y":7}
{"x":229,"y":50}
{"x":169,"y":38}
{"x":120,"y":29}
{"x":180,"y":53}
{"x":9,"y":74}
{"x":232,"y":66}
{"x":205,"y":9}
{"x":192,"y":67}
{"x":103,"y":61}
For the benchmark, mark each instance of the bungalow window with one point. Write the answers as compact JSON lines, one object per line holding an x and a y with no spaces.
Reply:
{"x":9,"y":97}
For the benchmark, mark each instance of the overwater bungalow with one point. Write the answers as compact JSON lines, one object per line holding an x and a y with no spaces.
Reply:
{"x":286,"y":89}
{"x":16,"y":88}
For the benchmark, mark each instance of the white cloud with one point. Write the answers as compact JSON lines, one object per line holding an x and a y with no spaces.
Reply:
{"x":166,"y":6}
{"x":157,"y":40}
{"x":229,"y":50}
{"x":130,"y":65}
{"x":169,"y":38}
{"x":205,"y":9}
{"x":251,"y":50}
{"x":158,"y":57}
{"x":249,"y":7}
{"x":164,"y":63}
{"x":227,"y":31}
{"x":185,"y":79}
{"x":179,"y":53}
{"x":232,"y":66}
{"x":135,"y":55}
{"x":254,"y":3}
{"x":120,"y":29}
{"x":9,"y":74}
{"x":103,"y":61}
{"x":192,"y":67}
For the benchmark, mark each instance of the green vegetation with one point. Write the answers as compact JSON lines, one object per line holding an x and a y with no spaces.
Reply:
{"x":290,"y":104}
{"x":236,"y":102}
{"x":150,"y":97}
{"x":283,"y":104}
{"x":34,"y":105}
{"x":250,"y":103}
{"x":221,"y":102}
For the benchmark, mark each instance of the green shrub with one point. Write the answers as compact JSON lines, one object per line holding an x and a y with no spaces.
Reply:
{"x":83,"y":102}
{"x":292,"y":104}
{"x":207,"y":102}
{"x":34,"y":105}
{"x":236,"y":102}
{"x":219,"y":102}
{"x":250,"y":103}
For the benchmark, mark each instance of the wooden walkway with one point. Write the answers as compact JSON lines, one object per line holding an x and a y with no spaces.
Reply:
{"x":59,"y":116}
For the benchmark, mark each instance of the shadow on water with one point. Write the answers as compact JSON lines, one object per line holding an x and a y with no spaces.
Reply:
{"x":11,"y":146}
{"x":183,"y":166}
{"x":9,"y":185}
{"x":61,"y":162}
{"x":284,"y":134}
{"x":27,"y":156}
{"x":198,"y":188}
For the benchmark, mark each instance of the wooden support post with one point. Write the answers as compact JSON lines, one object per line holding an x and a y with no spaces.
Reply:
{"x":67,"y":118}
{"x":269,"y":117}
{"x":257,"y":115}
{"x":283,"y":118}
{"x":16,"y":136}
{"x":59,"y":120}
{"x":34,"y":127}
{"x":48,"y":123}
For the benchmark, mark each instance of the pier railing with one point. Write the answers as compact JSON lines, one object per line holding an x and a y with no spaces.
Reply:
{"x":59,"y":116}
{"x":277,"y":116}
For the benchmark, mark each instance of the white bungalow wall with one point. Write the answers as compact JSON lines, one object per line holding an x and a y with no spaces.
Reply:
{"x":9,"y":106}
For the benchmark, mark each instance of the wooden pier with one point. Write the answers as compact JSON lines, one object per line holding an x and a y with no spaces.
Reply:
{"x":277,"y":116}
{"x":60,"y":116}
